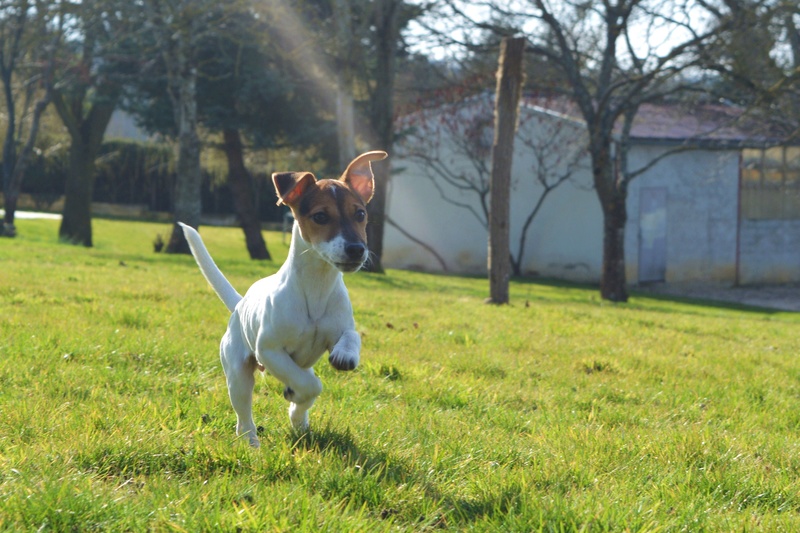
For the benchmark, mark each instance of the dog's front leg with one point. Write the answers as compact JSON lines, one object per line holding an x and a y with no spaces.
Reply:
{"x":345,"y":353}
{"x":302,"y":385}
{"x":298,"y":411}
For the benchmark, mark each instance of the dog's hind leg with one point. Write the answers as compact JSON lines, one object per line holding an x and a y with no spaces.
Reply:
{"x":240,"y":367}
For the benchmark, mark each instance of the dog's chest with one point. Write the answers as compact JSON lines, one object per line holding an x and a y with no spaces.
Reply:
{"x":308,"y":343}
{"x":277,"y":316}
{"x":308,"y":340}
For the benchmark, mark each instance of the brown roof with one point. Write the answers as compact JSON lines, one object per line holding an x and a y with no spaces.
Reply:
{"x":679,"y":122}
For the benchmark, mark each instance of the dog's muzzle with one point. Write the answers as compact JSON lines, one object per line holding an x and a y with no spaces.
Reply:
{"x":356,"y":255}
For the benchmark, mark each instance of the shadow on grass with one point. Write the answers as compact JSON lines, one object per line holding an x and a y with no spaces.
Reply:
{"x":371,"y":478}
{"x":329,"y":441}
{"x":641,"y":294}
{"x":704,"y":302}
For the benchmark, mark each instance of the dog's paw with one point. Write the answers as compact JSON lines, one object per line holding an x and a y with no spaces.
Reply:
{"x":298,"y":416}
{"x":249,"y":433}
{"x":341,"y":360}
{"x":345,"y":353}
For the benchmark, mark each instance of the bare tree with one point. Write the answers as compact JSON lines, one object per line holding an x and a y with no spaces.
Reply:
{"x":452,"y":145}
{"x":22,"y":25}
{"x":558,"y":150}
{"x":615,"y":55}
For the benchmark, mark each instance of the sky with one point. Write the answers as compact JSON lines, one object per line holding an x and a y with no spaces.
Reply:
{"x":650,"y":35}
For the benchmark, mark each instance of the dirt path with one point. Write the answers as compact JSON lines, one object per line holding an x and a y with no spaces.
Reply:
{"x":31,"y":214}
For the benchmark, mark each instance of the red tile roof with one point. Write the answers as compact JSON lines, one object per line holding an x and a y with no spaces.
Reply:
{"x":709,"y":123}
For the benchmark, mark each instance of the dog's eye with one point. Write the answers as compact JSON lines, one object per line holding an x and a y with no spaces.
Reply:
{"x":321,"y":217}
{"x":360,"y":215}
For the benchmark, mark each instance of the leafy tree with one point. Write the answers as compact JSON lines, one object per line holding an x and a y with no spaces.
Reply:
{"x":247,"y":92}
{"x":462,"y":131}
{"x":369,"y":58}
{"x":176,"y":27}
{"x":87,"y":91}
{"x":249,"y":89}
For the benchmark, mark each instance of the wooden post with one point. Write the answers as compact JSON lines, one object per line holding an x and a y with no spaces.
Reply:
{"x":508,"y":92}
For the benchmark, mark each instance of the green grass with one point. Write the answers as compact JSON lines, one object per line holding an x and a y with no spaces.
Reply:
{"x":567,"y":414}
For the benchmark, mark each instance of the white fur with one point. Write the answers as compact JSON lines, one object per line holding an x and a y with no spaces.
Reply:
{"x":284,"y":323}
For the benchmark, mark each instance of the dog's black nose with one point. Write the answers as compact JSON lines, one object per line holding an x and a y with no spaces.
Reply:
{"x":355,"y":250}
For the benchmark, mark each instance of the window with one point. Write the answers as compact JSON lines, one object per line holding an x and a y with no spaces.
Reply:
{"x":771,"y":183}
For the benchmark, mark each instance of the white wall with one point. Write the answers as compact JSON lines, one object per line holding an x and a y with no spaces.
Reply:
{"x":417,"y":206}
{"x":564,"y":240}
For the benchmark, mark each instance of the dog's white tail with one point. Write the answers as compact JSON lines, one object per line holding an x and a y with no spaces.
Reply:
{"x":210,"y":270}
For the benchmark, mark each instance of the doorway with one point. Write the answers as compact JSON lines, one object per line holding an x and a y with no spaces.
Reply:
{"x":652,"y":234}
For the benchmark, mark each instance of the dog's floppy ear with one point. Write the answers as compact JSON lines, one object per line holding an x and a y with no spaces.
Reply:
{"x":359,"y":174}
{"x":290,"y":186}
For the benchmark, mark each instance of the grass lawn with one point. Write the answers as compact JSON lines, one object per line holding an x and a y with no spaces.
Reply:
{"x":558,"y":413}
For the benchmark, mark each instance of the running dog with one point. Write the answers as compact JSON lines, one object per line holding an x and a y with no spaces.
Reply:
{"x":285,"y":322}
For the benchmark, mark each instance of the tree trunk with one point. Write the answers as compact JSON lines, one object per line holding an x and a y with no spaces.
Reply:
{"x":76,"y":220}
{"x":188,"y":204}
{"x":508,"y":92}
{"x":387,"y":13}
{"x":10,"y":195}
{"x":612,"y":192}
{"x":613,"y":286}
{"x":86,"y":127}
{"x":241,"y":183}
{"x":345,"y":118}
{"x":377,"y":217}
{"x":14,"y":164}
{"x":516,"y":262}
{"x":14,"y":184}
{"x":7,"y":67}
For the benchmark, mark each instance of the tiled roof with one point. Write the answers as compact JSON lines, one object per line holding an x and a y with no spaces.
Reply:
{"x":700,"y":123}
{"x":678,"y":122}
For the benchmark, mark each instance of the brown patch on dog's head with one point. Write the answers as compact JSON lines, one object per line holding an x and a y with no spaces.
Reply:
{"x":290,"y":186}
{"x":329,"y":209}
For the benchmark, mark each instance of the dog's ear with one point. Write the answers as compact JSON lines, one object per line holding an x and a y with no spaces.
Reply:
{"x":290,"y":186}
{"x":359,"y":174}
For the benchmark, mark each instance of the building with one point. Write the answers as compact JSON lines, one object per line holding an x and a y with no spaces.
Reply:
{"x":718,"y":200}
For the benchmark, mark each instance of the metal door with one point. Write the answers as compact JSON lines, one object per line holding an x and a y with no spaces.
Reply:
{"x":652,"y":234}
